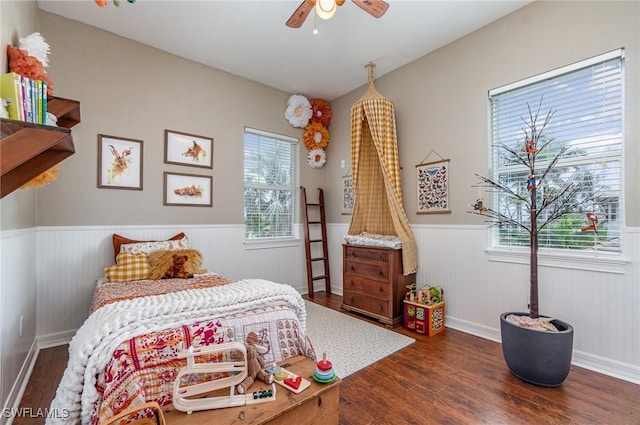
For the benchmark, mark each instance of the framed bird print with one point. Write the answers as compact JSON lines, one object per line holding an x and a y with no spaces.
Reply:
{"x":188,"y":149}
{"x":119,"y":163}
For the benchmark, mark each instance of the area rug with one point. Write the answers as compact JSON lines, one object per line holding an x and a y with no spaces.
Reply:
{"x":350,"y":343}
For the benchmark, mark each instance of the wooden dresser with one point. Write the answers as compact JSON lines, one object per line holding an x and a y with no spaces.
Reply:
{"x":373,"y":283}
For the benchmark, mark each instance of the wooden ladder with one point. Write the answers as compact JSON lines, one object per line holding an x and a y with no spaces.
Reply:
{"x":308,"y":241}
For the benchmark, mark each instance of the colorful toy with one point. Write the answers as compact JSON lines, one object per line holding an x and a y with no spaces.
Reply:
{"x":324,"y":370}
{"x":220,"y":366}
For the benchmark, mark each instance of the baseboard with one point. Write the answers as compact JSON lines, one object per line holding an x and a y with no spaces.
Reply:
{"x":620,"y":370}
{"x":55,"y":339}
{"x":613,"y":368}
{"x":19,"y":386}
{"x":473,"y":329}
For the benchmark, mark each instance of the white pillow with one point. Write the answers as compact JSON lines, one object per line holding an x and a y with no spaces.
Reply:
{"x":148,"y":247}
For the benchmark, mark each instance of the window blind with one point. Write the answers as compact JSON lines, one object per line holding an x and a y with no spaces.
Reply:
{"x":586,"y":101}
{"x":269,"y":184}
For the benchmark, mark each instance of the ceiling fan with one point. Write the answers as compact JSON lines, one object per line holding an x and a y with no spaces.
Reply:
{"x":375,"y":8}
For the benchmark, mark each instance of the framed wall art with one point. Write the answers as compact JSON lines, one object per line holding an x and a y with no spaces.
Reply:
{"x":188,"y":149}
{"x":187,"y":190}
{"x":119,"y":163}
{"x":433,"y":187}
{"x":348,"y":196}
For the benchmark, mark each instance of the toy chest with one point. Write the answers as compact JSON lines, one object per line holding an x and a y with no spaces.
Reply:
{"x":424,"y":319}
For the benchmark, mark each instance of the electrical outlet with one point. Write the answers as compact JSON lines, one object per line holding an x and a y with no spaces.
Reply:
{"x":21,"y":320}
{"x":342,"y":164}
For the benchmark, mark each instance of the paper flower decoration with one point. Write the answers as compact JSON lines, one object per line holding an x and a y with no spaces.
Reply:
{"x":298,"y":111}
{"x":316,"y":136}
{"x":321,"y":112}
{"x":316,"y":158}
{"x":35,"y":45}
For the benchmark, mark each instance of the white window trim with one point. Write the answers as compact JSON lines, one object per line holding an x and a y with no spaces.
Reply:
{"x":597,"y":261}
{"x":604,"y":262}
{"x":285,"y":241}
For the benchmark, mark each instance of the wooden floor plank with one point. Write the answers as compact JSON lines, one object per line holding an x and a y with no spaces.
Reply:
{"x":449,"y":378}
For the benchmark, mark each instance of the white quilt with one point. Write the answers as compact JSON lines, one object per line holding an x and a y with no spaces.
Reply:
{"x":93,"y":344}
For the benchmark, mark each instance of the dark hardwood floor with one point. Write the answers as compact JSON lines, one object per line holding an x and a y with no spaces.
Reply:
{"x":449,"y":378}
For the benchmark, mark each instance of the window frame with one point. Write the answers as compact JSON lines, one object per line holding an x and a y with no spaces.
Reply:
{"x":603,"y":261}
{"x":274,"y":241}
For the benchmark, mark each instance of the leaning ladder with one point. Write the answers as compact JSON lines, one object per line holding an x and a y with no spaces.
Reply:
{"x":308,"y":241}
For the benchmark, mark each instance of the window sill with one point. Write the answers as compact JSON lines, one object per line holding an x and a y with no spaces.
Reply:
{"x":594,"y":261}
{"x":250,"y":244}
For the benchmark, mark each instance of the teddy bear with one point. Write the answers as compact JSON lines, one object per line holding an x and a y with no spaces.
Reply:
{"x":255,"y":370}
{"x":178,"y":270}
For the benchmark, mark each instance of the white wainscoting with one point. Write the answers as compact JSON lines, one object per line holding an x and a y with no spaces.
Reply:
{"x":17,"y":300}
{"x":601,"y":305}
{"x":71,"y":259}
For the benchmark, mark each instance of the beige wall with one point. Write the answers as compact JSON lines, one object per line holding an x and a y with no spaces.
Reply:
{"x":130,"y":90}
{"x":441,"y":99}
{"x":17,"y":19}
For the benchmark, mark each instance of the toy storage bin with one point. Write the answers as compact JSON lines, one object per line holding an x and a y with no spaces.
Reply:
{"x":424,"y":319}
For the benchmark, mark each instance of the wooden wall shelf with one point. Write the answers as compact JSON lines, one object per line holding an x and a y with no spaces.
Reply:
{"x":28,"y":149}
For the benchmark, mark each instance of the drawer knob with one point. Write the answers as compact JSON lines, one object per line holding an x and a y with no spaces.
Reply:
{"x":380,"y":289}
{"x":351,"y":300}
{"x":351,"y":282}
{"x":380,"y":308}
{"x":380,"y":272}
{"x":353,"y":268}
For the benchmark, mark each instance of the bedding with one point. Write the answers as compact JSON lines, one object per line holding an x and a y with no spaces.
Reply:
{"x":129,"y":349}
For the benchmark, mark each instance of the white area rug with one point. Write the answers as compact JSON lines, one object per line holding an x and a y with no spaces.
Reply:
{"x":350,"y":343}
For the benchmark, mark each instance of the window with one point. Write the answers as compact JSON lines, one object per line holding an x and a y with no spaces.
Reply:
{"x":270,"y":175}
{"x":587,"y":98}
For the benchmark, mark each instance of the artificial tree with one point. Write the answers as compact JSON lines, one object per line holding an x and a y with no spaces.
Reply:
{"x":545,"y":202}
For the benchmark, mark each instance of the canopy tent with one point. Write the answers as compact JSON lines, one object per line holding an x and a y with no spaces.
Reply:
{"x":376,"y":174}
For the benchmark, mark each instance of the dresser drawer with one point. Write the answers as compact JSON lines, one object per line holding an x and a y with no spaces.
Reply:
{"x":366,"y":303}
{"x":374,"y":288}
{"x":367,"y":270}
{"x":366,"y":254}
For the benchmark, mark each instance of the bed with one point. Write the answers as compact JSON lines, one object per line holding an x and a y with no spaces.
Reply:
{"x":132,"y":345}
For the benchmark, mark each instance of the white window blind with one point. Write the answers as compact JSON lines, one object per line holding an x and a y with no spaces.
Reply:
{"x":269,"y":184}
{"x":587,"y":102}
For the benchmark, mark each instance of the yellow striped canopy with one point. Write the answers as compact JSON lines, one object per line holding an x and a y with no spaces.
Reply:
{"x":376,"y":176}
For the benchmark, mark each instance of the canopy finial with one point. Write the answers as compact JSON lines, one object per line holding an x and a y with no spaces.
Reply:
{"x":370,"y":67}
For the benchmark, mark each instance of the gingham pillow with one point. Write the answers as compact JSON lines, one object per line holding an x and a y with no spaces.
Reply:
{"x":130,"y":267}
{"x":147,"y":247}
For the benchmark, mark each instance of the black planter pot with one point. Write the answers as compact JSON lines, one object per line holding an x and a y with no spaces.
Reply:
{"x":538,"y":357}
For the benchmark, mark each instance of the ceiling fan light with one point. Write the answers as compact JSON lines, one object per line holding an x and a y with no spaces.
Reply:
{"x":325,"y":9}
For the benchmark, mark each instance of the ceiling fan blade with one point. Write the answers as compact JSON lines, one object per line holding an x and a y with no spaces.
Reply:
{"x":375,"y":8}
{"x":297,"y":19}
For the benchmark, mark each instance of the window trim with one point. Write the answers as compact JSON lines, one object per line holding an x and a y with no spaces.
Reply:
{"x":612,"y":262}
{"x":283,"y":241}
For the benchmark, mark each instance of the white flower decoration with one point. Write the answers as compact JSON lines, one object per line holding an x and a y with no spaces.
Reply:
{"x":316,"y":158}
{"x":298,"y":111}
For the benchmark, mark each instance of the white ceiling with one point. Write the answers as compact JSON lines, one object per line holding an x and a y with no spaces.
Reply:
{"x":250,"y":38}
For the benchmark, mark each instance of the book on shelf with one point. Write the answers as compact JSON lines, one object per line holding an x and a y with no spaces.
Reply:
{"x":11,"y":90}
{"x":27,"y":98}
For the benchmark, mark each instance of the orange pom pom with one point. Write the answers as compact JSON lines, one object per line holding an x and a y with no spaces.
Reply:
{"x":316,"y":136}
{"x":28,"y":66}
{"x":321,"y":112}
